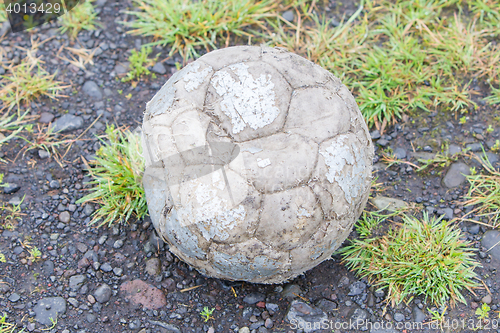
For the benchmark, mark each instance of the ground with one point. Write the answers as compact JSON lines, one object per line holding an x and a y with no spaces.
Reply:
{"x":123,"y":279}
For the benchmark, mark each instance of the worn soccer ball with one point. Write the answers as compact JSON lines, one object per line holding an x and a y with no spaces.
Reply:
{"x":258,"y":163}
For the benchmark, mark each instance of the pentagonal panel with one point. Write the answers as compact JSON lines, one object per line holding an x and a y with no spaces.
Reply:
{"x":249,"y":99}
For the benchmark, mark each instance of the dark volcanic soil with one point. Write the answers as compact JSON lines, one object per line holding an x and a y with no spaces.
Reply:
{"x":124,"y":279}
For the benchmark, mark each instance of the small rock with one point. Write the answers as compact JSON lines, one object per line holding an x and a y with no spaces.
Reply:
{"x":88,"y":209}
{"x":153,"y":266}
{"x":474,"y":229}
{"x":11,"y":188}
{"x":118,"y":271}
{"x":399,"y":317}
{"x":382,"y":142}
{"x":244,"y":330}
{"x":418,"y":315}
{"x":91,"y":89}
{"x":291,"y":291}
{"x":139,"y":292}
{"x":456,"y":175}
{"x":288,"y":15}
{"x":76,"y":281}
{"x":356,"y":288}
{"x":305,"y":316}
{"x":103,"y":293}
{"x":253,"y":298}
{"x":475,"y":147}
{"x":387,"y":203}
{"x":491,"y":241}
{"x":65,"y":217}
{"x":486,"y":299}
{"x":400,"y":153}
{"x":159,"y":68}
{"x":49,"y":307}
{"x":67,"y":123}
{"x":43,"y":154}
{"x":375,"y":134}
{"x":14,"y":297}
{"x":118,"y":243}
{"x":46,"y":117}
{"x":106,"y":267}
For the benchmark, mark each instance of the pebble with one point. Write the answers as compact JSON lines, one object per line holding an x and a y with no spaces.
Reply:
{"x":68,"y":122}
{"x":14,"y":297}
{"x":91,"y":89}
{"x":356,"y":288}
{"x":253,"y":298}
{"x":399,"y":317}
{"x":49,"y":307}
{"x":486,"y":299}
{"x":43,"y":154}
{"x":400,"y":153}
{"x":288,"y":15}
{"x":153,"y":266}
{"x":418,"y":315}
{"x":46,"y":117}
{"x":456,"y":175}
{"x":159,"y":68}
{"x":118,"y":243}
{"x":291,"y":291}
{"x":387,"y":203}
{"x":491,"y":241}
{"x":102,"y":294}
{"x":305,"y":315}
{"x":106,"y":267}
{"x":11,"y":188}
{"x":76,"y":281}
{"x":65,"y":217}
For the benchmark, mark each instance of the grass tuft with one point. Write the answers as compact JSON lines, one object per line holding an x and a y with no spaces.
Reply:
{"x":117,"y":173}
{"x":484,"y":193}
{"x":189,"y":25}
{"x":139,"y":64}
{"x":422,"y":257}
{"x":26,"y":82}
{"x":81,"y":17}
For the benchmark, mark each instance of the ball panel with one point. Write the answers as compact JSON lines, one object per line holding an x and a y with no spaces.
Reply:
{"x":224,"y":57}
{"x":182,"y":239}
{"x":186,"y":87}
{"x":298,"y":214}
{"x":331,"y":198}
{"x":249,"y":99}
{"x":189,"y":130}
{"x":317,"y":249}
{"x":342,"y":161}
{"x":311,"y":108}
{"x":279,"y":161}
{"x":298,"y":71}
{"x":250,"y":261}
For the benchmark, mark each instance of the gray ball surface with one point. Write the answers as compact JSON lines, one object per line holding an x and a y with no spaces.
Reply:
{"x":258,"y":163}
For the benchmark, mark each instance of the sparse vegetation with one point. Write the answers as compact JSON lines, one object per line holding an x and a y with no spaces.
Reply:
{"x":402,"y":56}
{"x":117,"y":174}
{"x":484,"y":192}
{"x":422,"y":257}
{"x":187,"y":26}
{"x":483,"y":311}
{"x":10,"y":215}
{"x":6,"y":327}
{"x":139,"y":64}
{"x":206,"y":313}
{"x":26,"y":82}
{"x":81,"y":17}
